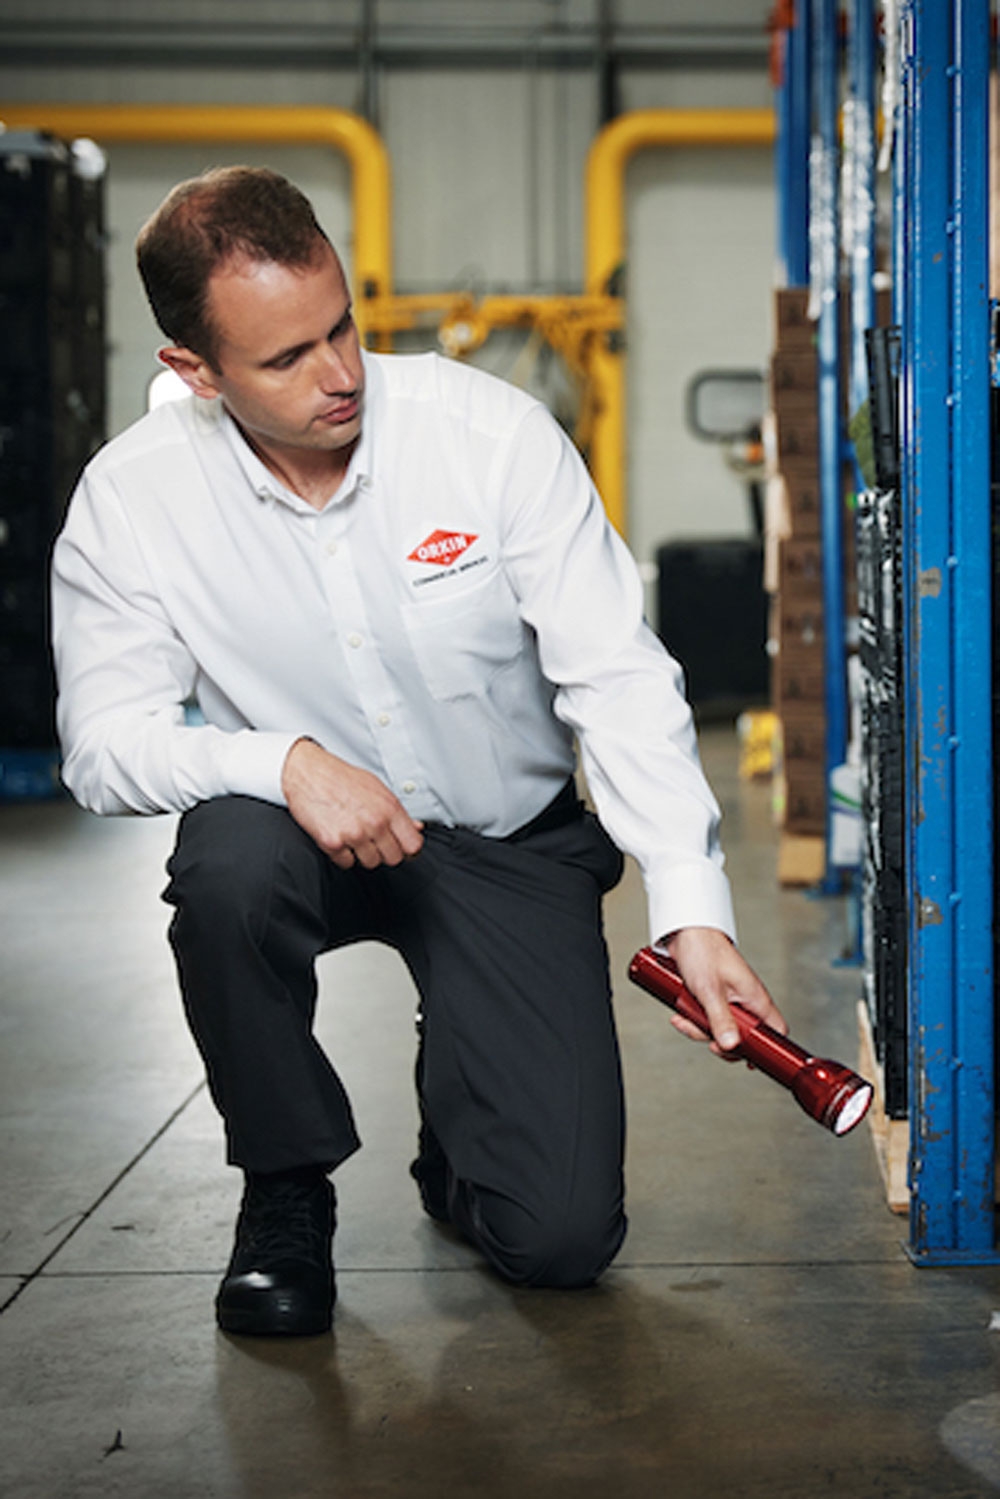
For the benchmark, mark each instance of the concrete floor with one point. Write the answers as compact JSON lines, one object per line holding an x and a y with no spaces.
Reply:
{"x":762,"y":1333}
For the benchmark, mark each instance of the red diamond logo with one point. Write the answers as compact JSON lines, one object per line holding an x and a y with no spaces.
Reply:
{"x":442,"y":547}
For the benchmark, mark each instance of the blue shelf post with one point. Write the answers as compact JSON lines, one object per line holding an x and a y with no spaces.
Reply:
{"x":860,"y":246}
{"x":825,"y":277}
{"x":942,"y":222}
{"x":792,"y":147}
{"x":863,"y":245}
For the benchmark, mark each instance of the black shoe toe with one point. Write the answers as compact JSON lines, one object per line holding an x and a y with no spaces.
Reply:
{"x":291,"y":1301}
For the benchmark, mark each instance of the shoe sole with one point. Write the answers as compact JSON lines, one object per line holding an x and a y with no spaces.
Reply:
{"x":279,"y":1321}
{"x":246,"y":1326}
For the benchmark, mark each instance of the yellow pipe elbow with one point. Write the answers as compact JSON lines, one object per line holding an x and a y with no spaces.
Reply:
{"x":371,"y":261}
{"x":604,"y":253}
{"x":613,"y":147}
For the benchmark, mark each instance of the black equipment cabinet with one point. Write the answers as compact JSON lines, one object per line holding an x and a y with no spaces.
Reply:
{"x":711,"y":605}
{"x":883,"y":906}
{"x":52,"y":396}
{"x":712,"y":615}
{"x":884,"y":919}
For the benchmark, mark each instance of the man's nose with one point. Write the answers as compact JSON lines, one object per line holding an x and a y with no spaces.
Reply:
{"x":336,"y":372}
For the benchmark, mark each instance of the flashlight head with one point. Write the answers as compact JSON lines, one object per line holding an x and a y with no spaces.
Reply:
{"x":832,"y":1094}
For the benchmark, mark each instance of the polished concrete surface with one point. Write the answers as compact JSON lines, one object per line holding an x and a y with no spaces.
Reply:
{"x":762,"y":1333}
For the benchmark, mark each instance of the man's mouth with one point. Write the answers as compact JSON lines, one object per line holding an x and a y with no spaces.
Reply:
{"x":344,"y":411}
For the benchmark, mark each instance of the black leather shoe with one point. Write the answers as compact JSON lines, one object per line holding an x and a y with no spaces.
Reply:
{"x":280,"y":1281}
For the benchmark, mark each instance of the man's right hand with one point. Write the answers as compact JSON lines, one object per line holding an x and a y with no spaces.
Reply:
{"x":347,"y":811}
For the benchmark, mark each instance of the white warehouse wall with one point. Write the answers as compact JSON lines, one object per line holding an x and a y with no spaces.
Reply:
{"x":701,"y":247}
{"x":488,"y":194}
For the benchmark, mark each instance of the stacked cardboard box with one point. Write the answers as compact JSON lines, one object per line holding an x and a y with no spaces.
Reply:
{"x":796,"y":568}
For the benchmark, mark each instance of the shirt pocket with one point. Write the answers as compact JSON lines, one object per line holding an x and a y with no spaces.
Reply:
{"x":460,"y":642}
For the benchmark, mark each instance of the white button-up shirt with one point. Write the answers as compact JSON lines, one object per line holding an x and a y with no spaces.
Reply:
{"x":455,"y":615}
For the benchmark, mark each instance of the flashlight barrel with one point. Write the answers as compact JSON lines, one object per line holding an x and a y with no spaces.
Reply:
{"x":828,"y":1091}
{"x":760,"y":1044}
{"x":777,"y":1055}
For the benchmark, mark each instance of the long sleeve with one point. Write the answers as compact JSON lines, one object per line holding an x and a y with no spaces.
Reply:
{"x":124,"y":677}
{"x":616,"y":686}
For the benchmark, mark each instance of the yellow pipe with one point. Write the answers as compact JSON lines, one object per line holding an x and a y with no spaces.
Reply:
{"x":372,"y":258}
{"x":264,"y":125}
{"x":604,"y":258}
{"x":617,"y":142}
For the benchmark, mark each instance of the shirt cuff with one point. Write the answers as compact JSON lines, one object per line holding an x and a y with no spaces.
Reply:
{"x":251,"y":762}
{"x":689,"y":895}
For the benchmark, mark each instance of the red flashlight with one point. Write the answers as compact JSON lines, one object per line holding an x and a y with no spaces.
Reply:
{"x":828,"y":1091}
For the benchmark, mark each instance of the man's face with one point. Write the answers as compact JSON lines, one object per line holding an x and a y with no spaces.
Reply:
{"x":288,"y":363}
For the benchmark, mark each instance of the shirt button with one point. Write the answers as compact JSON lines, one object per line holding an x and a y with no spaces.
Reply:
{"x":384,"y":720}
{"x":409,"y":787}
{"x":354,"y":640}
{"x":331,"y":548}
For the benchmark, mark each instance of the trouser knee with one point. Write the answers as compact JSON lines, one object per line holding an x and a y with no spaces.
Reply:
{"x":566,"y":1251}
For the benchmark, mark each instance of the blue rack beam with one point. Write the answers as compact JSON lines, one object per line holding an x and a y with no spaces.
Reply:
{"x":942,"y":223}
{"x":29,"y":775}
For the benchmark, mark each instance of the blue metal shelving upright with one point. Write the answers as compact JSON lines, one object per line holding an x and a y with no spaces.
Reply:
{"x":941,"y":207}
{"x":825,"y":278}
{"x":794,"y":109}
{"x":862,"y":246}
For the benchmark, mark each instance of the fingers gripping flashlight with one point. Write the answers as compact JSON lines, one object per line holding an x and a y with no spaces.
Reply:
{"x":828,"y":1091}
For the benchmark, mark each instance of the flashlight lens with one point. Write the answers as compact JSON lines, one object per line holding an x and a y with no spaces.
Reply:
{"x":853,"y":1109}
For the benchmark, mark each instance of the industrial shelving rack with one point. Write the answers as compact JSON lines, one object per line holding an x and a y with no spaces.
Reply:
{"x":940,"y":52}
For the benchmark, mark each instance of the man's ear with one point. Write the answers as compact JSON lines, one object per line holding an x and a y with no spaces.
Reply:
{"x":195,"y":371}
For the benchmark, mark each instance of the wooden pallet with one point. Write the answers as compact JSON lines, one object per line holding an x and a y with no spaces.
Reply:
{"x":891,"y":1137}
{"x":801,"y":860}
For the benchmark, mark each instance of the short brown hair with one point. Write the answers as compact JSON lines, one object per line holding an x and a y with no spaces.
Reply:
{"x":208,"y":220}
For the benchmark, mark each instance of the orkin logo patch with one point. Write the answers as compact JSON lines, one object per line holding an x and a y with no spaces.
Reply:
{"x":442,"y":547}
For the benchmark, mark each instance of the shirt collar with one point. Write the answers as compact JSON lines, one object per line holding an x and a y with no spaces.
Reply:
{"x":267,"y":486}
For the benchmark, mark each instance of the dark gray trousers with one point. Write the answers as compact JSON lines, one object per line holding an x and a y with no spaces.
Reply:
{"x":520,"y":1076}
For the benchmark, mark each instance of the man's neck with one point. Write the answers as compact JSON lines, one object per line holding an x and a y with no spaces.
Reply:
{"x":314,"y":475}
